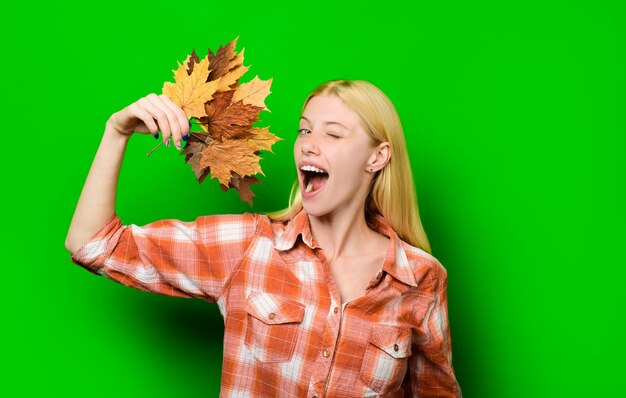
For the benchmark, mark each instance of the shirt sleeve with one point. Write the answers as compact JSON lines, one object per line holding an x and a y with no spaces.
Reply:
{"x":170,"y":257}
{"x":430,"y":372}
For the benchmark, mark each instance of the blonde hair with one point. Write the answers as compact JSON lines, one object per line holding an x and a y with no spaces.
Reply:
{"x":392,"y":191}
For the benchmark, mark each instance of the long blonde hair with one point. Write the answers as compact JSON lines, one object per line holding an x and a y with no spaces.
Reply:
{"x":392,"y":191}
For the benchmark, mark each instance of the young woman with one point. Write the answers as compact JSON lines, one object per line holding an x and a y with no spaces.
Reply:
{"x":336,"y":296}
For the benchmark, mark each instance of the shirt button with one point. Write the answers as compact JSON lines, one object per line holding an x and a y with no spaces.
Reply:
{"x":336,"y":310}
{"x":271,"y":315}
{"x":395,"y":347}
{"x":326,"y":353}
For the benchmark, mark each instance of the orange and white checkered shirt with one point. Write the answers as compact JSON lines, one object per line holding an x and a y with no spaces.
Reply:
{"x":287,"y":333}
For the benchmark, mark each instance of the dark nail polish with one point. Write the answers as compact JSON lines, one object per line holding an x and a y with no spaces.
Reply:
{"x":185,"y":137}
{"x":156,"y":135}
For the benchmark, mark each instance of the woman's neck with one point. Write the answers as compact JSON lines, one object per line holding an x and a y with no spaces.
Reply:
{"x":342,"y":233}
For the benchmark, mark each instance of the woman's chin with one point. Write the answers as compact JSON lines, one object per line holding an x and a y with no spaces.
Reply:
{"x":315,"y":209}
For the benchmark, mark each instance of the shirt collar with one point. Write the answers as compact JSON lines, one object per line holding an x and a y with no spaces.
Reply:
{"x":285,"y":237}
{"x":396,"y":262}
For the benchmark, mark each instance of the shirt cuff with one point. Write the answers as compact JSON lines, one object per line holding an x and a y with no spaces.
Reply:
{"x":90,"y":254}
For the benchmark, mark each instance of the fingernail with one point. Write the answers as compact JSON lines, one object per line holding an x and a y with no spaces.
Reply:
{"x":177,"y":145}
{"x":185,"y":137}
{"x":156,"y":135}
{"x":167,"y":142}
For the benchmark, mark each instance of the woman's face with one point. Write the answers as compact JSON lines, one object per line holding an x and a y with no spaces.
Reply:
{"x":332,"y":152}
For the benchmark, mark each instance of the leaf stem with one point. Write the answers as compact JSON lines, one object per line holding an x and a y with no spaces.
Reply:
{"x":198,"y":136}
{"x":159,"y":144}
{"x":153,"y":149}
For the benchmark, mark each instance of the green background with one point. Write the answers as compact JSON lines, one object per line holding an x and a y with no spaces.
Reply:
{"x":514,"y":116}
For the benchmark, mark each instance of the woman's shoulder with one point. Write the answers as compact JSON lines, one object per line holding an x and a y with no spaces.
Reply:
{"x":421,"y":262}
{"x":257,"y":223}
{"x":224,"y":221}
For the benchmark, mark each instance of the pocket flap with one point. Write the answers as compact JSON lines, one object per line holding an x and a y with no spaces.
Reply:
{"x":394,"y":340}
{"x":272,"y":309}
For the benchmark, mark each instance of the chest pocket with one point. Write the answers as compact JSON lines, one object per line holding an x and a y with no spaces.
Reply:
{"x":385,"y":361}
{"x":273,"y":324}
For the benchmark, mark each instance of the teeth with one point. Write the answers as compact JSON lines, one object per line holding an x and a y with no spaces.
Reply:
{"x":309,"y":187}
{"x":308,"y":167}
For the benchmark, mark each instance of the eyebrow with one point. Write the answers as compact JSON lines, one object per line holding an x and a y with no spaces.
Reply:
{"x":328,"y":122}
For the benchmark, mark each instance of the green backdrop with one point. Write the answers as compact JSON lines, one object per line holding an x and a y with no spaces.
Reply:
{"x":514,"y":115}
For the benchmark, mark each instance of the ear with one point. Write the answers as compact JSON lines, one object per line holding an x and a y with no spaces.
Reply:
{"x":379,"y":158}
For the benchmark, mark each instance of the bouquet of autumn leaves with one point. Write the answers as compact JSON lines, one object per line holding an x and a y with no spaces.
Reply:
{"x":209,"y":92}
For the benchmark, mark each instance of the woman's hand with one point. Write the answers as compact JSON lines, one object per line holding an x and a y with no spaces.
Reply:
{"x":149,"y":115}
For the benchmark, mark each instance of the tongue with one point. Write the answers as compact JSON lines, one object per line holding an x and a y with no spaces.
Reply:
{"x":318,"y":181}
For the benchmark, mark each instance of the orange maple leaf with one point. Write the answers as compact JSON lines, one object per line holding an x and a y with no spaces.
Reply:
{"x":224,"y":157}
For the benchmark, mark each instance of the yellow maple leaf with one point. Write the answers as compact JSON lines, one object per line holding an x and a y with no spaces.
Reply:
{"x":230,"y":155}
{"x":190,"y":92}
{"x":262,"y":139}
{"x":253,"y":92}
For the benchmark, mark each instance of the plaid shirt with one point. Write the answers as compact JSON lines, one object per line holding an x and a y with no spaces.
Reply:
{"x":287,"y":332}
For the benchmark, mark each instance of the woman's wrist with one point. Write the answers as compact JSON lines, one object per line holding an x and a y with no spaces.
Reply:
{"x":111,"y":133}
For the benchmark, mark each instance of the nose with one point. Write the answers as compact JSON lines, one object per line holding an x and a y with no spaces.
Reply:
{"x":310,"y":147}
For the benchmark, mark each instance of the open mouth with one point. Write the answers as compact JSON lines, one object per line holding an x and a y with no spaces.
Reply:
{"x":313,"y":178}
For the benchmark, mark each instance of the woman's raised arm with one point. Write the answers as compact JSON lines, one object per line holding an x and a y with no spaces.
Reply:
{"x":96,"y":204}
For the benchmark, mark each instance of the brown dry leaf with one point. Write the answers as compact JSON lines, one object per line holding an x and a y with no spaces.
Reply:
{"x":227,"y":119}
{"x":224,"y":157}
{"x":236,"y":61}
{"x":214,"y":109}
{"x":221,"y":61}
{"x":253,"y":92}
{"x":193,"y":155}
{"x":227,"y":66}
{"x":236,"y":69}
{"x":242,"y":185}
{"x":191,"y":91}
{"x":191,"y":61}
{"x":261,"y":138}
{"x":229,"y":81}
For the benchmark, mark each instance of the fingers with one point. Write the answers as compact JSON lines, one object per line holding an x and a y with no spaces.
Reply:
{"x":181,"y":117}
{"x":137,"y":111}
{"x":154,"y":113}
{"x":170,"y":119}
{"x":161,"y":114}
